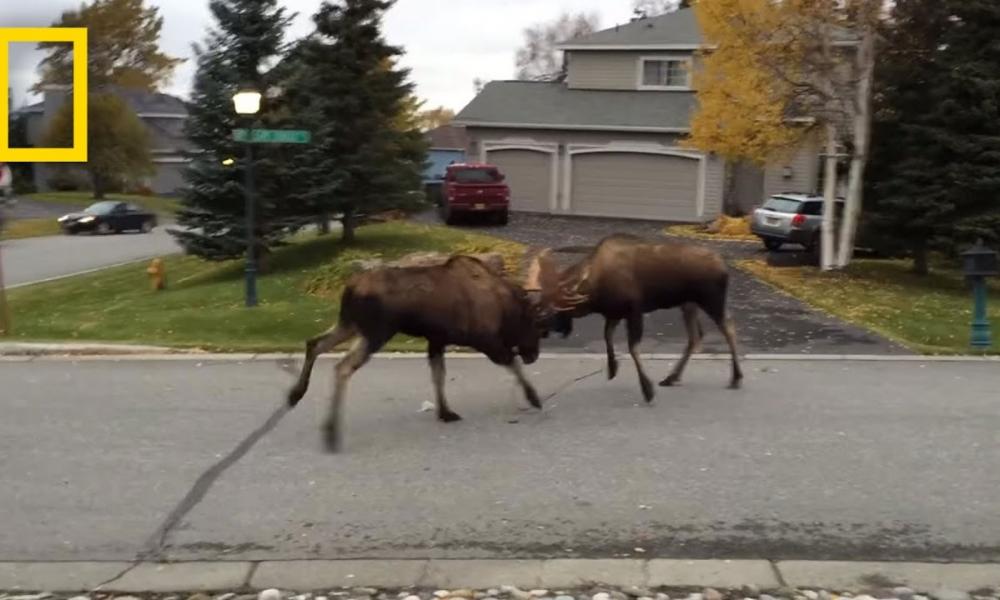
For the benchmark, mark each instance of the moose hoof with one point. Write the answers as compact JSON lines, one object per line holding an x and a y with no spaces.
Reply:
{"x":533,"y":399}
{"x":670,"y":381}
{"x":449,"y":417}
{"x":612,"y":369}
{"x":647,"y":391}
{"x":736,"y":384}
{"x":294,"y":395}
{"x":331,"y":440}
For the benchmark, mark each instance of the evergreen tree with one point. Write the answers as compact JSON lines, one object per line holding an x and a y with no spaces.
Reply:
{"x":907,"y":200}
{"x":248,"y":34}
{"x":935,"y":178}
{"x":967,"y":120}
{"x":368,"y":152}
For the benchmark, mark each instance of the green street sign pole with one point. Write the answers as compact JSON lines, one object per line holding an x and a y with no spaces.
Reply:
{"x":250,"y":137}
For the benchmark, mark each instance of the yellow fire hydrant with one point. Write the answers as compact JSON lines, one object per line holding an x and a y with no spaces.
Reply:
{"x":157,"y":274}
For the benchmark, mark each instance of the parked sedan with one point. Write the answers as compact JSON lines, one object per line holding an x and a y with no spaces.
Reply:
{"x":109,"y":217}
{"x":791,"y":218}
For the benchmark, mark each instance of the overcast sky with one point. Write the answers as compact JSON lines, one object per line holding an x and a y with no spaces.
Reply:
{"x":448,"y":43}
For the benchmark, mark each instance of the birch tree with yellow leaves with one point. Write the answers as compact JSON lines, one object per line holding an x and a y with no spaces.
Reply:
{"x":775,"y":71}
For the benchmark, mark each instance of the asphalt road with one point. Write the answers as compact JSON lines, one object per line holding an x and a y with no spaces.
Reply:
{"x":36,"y":259}
{"x":812,"y":459}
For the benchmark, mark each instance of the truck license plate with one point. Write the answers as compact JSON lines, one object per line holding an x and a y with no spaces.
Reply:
{"x":479,"y":206}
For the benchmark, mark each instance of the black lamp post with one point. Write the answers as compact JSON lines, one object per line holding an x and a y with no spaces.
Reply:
{"x":247,"y":102}
{"x":978,"y":263}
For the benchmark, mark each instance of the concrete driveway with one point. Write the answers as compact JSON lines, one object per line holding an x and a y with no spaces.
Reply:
{"x":768,"y":321}
{"x":32,"y":260}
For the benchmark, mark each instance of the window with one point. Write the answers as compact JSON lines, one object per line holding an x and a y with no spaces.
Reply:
{"x":813,"y":209}
{"x":782,"y":205}
{"x":476,"y":176}
{"x":665,"y":73}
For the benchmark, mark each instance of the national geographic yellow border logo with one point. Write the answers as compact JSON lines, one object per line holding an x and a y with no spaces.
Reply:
{"x":78,"y":37}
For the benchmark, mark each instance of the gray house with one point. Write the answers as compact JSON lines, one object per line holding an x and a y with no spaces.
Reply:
{"x":163,"y":115}
{"x":605,"y":141}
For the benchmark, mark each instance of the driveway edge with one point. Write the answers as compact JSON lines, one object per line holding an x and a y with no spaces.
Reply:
{"x":308,"y":575}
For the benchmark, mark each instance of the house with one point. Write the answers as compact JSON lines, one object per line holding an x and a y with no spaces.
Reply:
{"x":447,"y":145}
{"x":164,"y":116}
{"x":604,"y":141}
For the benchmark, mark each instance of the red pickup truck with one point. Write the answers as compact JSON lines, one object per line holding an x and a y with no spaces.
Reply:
{"x":471,"y":188}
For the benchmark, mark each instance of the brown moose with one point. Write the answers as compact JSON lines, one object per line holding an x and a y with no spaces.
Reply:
{"x":625,"y":277}
{"x":462,"y":302}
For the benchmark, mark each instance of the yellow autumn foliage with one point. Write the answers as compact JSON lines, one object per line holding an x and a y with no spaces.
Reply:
{"x":743,"y":102}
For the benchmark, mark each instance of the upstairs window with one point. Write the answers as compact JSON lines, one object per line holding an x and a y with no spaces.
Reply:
{"x":666,"y":73}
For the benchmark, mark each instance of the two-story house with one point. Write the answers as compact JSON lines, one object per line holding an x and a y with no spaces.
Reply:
{"x":163,"y":115}
{"x":605,"y":140}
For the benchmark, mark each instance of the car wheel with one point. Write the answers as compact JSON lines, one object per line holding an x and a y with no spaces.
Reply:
{"x":448,"y":215}
{"x":147,"y":226}
{"x":502,"y":217}
{"x":104,"y":228}
{"x":773,"y":245}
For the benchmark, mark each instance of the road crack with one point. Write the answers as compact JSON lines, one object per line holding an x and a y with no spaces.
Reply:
{"x":153,"y":548}
{"x":571,"y":383}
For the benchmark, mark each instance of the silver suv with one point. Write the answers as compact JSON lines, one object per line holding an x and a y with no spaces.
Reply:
{"x":791,"y":219}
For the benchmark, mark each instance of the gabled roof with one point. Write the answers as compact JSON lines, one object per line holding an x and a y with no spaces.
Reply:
{"x":152,"y":103}
{"x":144,"y":104}
{"x":552,"y":105}
{"x":677,"y":30}
{"x":447,"y":137}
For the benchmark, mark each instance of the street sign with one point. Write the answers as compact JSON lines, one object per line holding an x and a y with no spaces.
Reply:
{"x":272,"y":136}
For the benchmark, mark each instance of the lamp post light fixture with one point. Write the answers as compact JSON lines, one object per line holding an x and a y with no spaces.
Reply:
{"x":978,"y":263}
{"x":247,"y":102}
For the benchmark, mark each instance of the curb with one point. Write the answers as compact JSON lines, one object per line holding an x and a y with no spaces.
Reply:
{"x":307,"y":575}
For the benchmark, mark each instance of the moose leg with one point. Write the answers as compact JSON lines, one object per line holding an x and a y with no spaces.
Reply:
{"x":609,"y":333}
{"x":634,"y":337}
{"x":529,"y":390}
{"x":694,"y":333}
{"x":316,"y":346}
{"x":729,"y":330}
{"x":435,"y":354}
{"x":717,"y":310}
{"x":356,"y":357}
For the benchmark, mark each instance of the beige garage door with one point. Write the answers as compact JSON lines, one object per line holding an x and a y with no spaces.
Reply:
{"x":529,"y":175}
{"x":636,"y":186}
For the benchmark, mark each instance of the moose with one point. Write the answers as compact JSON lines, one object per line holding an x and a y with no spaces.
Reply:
{"x":461,"y":302}
{"x":625,"y":277}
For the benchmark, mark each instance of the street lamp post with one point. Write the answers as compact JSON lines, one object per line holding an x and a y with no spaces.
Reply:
{"x":978,"y":263}
{"x":247,"y":102}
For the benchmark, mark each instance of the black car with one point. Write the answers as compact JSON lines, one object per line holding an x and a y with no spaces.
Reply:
{"x":109,"y":217}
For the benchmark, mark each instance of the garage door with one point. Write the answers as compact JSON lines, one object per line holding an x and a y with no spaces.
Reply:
{"x":636,"y":186}
{"x":529,"y":175}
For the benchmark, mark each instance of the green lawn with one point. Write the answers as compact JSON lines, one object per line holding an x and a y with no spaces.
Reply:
{"x":203,"y":305}
{"x":158,"y":204}
{"x":25,"y":228}
{"x":928,"y":314}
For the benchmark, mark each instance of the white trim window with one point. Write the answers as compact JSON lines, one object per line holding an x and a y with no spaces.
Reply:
{"x":664,"y":73}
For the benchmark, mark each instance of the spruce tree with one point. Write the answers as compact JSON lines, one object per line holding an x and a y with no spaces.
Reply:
{"x":368,"y":152}
{"x":907,"y":204}
{"x":936,"y":141}
{"x":967,"y":121}
{"x":247,"y":35}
